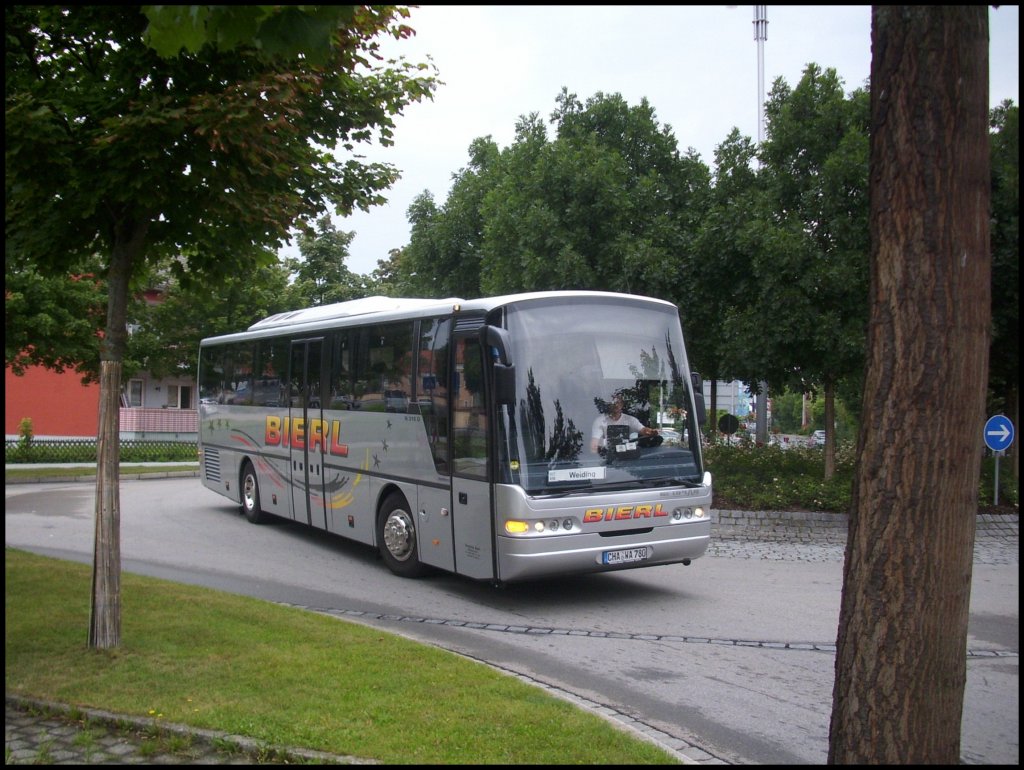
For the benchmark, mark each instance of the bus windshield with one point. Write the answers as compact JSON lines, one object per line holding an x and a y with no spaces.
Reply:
{"x":592,"y":380}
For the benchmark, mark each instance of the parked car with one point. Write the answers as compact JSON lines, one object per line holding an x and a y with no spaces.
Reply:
{"x":818,"y":438}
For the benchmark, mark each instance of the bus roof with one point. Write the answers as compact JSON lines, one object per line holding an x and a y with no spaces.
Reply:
{"x":370,"y":309}
{"x":355,"y":307}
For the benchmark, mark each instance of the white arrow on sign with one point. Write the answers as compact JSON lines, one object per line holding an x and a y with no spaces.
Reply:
{"x":1003,"y":432}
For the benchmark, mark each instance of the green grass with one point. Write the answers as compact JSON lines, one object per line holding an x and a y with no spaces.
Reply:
{"x":285,"y":677}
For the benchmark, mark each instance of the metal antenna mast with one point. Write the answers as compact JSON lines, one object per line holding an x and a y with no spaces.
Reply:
{"x":760,"y":35}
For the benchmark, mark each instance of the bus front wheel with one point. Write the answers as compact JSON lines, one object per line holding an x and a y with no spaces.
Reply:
{"x":396,"y":537}
{"x":251,"y":495}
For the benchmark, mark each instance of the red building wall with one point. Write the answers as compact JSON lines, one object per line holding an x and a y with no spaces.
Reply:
{"x":59,"y":404}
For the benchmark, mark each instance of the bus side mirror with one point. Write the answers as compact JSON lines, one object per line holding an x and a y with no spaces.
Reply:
{"x":698,"y":398}
{"x":497,"y":340}
{"x":504,"y":384}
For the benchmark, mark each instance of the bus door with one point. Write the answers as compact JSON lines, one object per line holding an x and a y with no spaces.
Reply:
{"x":307,"y":432}
{"x":434,"y":500}
{"x":471,"y":488}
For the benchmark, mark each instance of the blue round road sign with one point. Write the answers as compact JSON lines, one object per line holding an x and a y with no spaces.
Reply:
{"x":998,"y":433}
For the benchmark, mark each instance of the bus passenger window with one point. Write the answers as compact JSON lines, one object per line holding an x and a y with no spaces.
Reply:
{"x":271,"y":370}
{"x":432,"y":396}
{"x":383,"y":368}
{"x":469,"y":414}
{"x":341,"y":372}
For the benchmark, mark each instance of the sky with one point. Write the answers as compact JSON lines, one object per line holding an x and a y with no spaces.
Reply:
{"x":697,"y":66}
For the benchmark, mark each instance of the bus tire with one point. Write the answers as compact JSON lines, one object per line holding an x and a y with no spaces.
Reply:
{"x":396,"y":537}
{"x":250,"y":488}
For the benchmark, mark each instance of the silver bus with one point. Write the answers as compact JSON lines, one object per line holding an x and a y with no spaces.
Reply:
{"x":504,"y":439}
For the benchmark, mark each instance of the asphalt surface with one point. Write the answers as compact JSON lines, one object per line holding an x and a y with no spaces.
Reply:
{"x":38,"y":732}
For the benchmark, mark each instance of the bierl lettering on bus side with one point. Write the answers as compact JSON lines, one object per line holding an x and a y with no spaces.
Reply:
{"x":320,"y":434}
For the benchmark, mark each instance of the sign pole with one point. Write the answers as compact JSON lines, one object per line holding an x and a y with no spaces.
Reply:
{"x":995,"y":492}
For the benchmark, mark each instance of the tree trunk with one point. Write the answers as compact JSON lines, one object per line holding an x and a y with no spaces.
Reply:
{"x":761,"y":415}
{"x":829,"y":449}
{"x":105,"y":612}
{"x":105,"y":618}
{"x":901,"y":657}
{"x":713,"y":413}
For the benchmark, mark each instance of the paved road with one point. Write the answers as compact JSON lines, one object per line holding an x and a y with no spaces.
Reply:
{"x":686,"y":656}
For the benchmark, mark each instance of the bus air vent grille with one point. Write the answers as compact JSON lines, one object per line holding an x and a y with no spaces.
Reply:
{"x":211,"y":464}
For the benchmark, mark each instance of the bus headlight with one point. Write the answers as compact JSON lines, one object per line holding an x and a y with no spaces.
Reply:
{"x":687,"y":514}
{"x":552,"y":526}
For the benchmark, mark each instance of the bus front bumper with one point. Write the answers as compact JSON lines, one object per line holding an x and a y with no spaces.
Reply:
{"x":525,"y":558}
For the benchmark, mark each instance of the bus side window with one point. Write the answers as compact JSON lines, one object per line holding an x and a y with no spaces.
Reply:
{"x":211,"y":368}
{"x":398,"y":387}
{"x":271,"y":369}
{"x":241,"y":356}
{"x":469,"y":415}
{"x":432,"y":397}
{"x":341,"y":371}
{"x":383,"y":367}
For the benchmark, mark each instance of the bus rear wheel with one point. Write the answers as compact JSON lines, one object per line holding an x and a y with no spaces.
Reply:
{"x":396,"y":537}
{"x":251,"y":495}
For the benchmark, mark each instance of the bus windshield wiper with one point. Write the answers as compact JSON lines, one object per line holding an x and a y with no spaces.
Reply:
{"x":607,"y":486}
{"x":672,"y":481}
{"x":624,"y":484}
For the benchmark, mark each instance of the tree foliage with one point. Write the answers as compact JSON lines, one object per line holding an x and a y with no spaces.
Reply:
{"x":197,"y":155}
{"x":607,"y":203}
{"x":321,"y":276}
{"x":165,"y":342}
{"x":199,"y":160}
{"x":277,"y":32}
{"x":804,"y":321}
{"x":718,"y":271}
{"x":1004,"y":358}
{"x":54,"y":321}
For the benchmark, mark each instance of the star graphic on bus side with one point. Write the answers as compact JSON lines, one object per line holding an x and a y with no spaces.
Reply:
{"x":376,"y":461}
{"x":384,"y":443}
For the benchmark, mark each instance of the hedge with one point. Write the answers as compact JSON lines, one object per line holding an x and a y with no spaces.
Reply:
{"x":84,"y":451}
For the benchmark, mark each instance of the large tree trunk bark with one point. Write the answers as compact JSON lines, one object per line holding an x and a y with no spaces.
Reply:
{"x":901,"y":657}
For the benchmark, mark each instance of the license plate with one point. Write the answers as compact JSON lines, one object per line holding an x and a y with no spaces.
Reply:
{"x":624,"y":556}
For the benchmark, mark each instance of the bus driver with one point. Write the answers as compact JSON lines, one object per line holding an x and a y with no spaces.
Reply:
{"x":615,"y":416}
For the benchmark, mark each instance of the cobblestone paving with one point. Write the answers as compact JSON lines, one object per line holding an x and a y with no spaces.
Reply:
{"x":988,"y":550}
{"x":37,"y":733}
{"x":817,"y":537}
